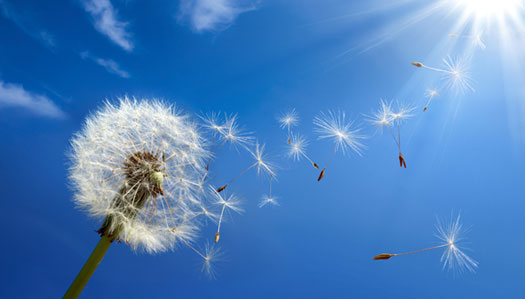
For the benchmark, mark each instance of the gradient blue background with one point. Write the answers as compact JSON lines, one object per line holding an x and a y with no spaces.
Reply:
{"x":464,"y":154}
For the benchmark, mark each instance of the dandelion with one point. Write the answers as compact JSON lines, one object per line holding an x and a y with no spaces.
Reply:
{"x":333,"y":125}
{"x":430,"y":94}
{"x":297,"y":149}
{"x":228,"y":132}
{"x":230,"y":203}
{"x":211,"y":122}
{"x":234,"y":134}
{"x":476,"y":39}
{"x":453,"y":258}
{"x":386,"y":117}
{"x":211,"y":254}
{"x":261,"y":163}
{"x":455,"y":74}
{"x":136,"y":166}
{"x":288,"y":120}
{"x":268,"y":199}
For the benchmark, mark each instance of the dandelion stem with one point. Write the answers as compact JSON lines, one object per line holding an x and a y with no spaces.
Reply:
{"x":394,"y":136}
{"x":331,"y":155}
{"x":438,"y":70}
{"x":89,"y":268}
{"x":219,"y":224}
{"x":419,"y":250}
{"x":310,"y":160}
{"x":237,"y":176}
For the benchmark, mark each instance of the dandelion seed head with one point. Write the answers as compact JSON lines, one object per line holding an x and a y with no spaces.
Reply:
{"x":383,"y":116}
{"x":335,"y":126}
{"x":401,"y":112}
{"x":289,"y":119}
{"x":263,"y":165}
{"x":457,"y":76}
{"x":229,"y":202}
{"x":212,"y":255}
{"x":211,"y":121}
{"x":136,"y":164}
{"x":234,"y":134}
{"x":297,"y":147}
{"x":453,"y":258}
{"x":431,"y":93}
{"x":268,"y":200}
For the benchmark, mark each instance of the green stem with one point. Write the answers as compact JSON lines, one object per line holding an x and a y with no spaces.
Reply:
{"x":89,"y":268}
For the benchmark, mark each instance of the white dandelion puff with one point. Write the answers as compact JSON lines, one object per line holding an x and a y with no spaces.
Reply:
{"x":268,"y":200}
{"x":235,"y":135}
{"x":392,"y":119}
{"x":135,"y":165}
{"x":262,"y":164}
{"x":297,"y":149}
{"x":211,"y":255}
{"x":226,"y":203}
{"x":288,"y":120}
{"x":335,"y":126}
{"x":455,"y":74}
{"x":453,"y":258}
{"x":138,"y":166}
{"x":476,"y":39}
{"x":430,"y":94}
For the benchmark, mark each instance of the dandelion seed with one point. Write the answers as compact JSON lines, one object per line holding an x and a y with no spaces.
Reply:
{"x":230,"y":203}
{"x":261,"y":163}
{"x":297,"y":149}
{"x":453,"y":257}
{"x":455,"y":74}
{"x":430,"y":94}
{"x":333,"y":125}
{"x":386,"y":117}
{"x":269,"y":199}
{"x":476,"y":39}
{"x":228,"y":132}
{"x":211,"y":255}
{"x":288,"y":120}
{"x":234,"y":134}
{"x":136,"y":165}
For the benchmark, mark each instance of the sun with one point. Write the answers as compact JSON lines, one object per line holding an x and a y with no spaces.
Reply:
{"x":489,"y":8}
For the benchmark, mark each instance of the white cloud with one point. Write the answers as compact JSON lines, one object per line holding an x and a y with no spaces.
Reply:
{"x":14,"y":95}
{"x":211,"y":15}
{"x":106,"y":21}
{"x":110,"y":65}
{"x":27,"y":25}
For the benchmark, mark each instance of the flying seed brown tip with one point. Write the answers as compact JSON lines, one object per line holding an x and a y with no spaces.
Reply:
{"x":321,"y":175}
{"x":217,"y":235}
{"x":418,"y":64}
{"x":402,"y":161}
{"x":383,"y":256}
{"x":222,"y":188}
{"x":315,"y":165}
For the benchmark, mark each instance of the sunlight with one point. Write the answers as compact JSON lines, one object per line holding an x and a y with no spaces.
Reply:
{"x":488,"y":8}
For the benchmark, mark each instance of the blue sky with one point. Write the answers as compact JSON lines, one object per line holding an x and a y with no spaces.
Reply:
{"x":59,"y":60}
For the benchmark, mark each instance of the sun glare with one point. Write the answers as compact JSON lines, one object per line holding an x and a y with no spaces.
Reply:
{"x":489,"y":8}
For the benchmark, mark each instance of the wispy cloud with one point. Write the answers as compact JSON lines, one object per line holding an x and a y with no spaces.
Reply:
{"x":110,"y":65}
{"x":26,"y":25}
{"x":14,"y":95}
{"x":105,"y":20}
{"x":212,"y":15}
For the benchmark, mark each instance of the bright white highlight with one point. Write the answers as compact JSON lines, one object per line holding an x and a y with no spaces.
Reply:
{"x":488,"y":8}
